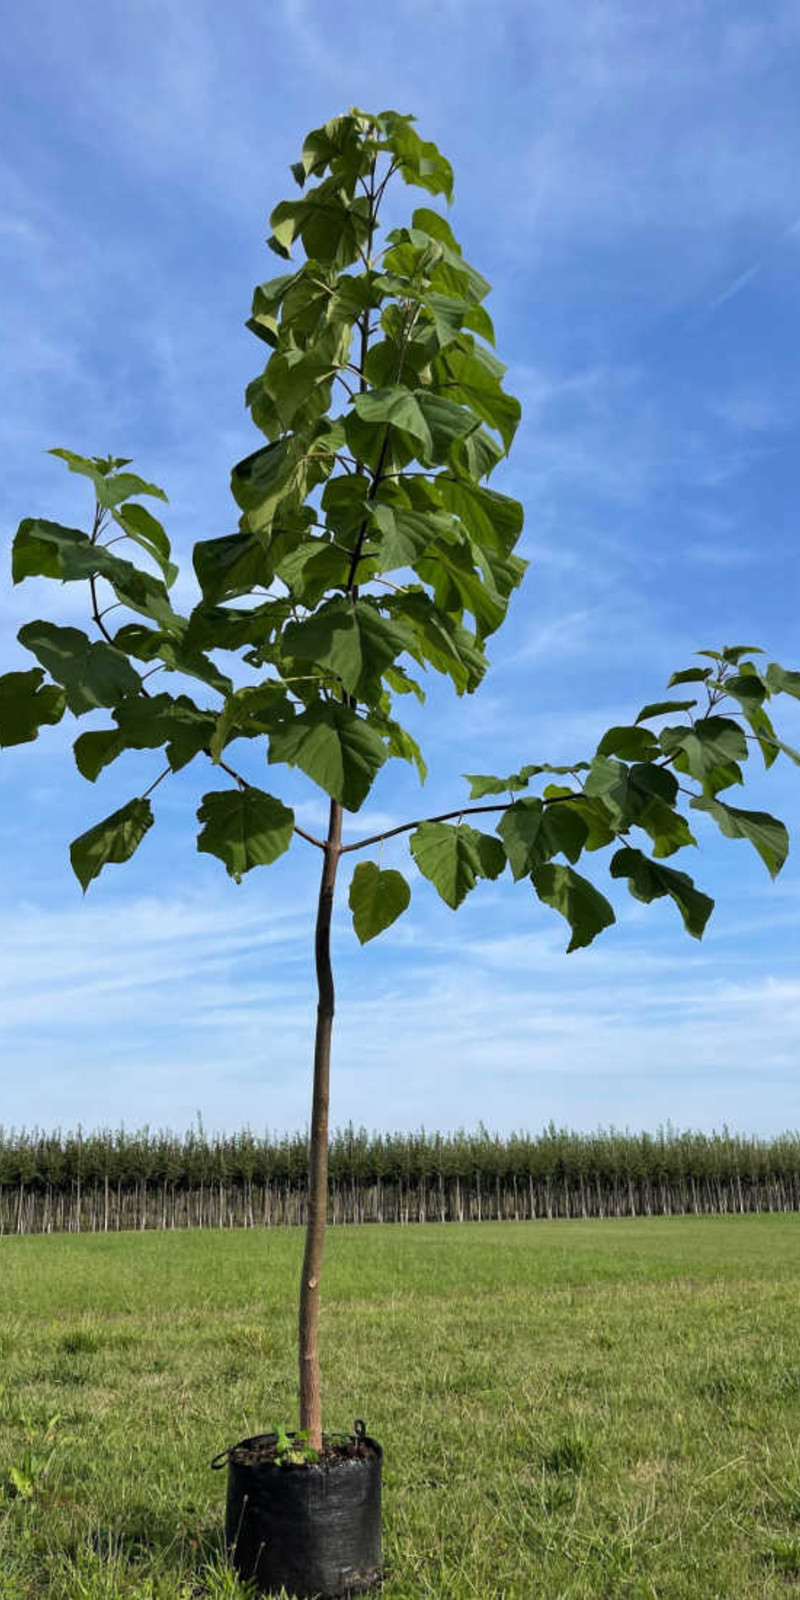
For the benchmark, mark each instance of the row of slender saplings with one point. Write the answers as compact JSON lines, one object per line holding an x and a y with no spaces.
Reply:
{"x":105,"y":1182}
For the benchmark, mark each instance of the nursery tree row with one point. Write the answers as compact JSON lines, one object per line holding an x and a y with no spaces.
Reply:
{"x":107,"y":1180}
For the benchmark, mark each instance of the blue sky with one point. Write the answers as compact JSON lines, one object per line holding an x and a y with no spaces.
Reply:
{"x":627,"y":178}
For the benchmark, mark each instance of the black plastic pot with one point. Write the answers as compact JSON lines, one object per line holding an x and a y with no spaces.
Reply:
{"x":314,"y":1530}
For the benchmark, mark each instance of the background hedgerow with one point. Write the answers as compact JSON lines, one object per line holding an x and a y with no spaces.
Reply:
{"x":109,"y":1181}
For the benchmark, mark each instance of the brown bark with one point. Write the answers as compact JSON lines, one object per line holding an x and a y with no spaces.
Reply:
{"x":308,"y":1331}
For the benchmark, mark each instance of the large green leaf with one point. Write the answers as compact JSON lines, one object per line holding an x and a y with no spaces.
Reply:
{"x":397,"y":406}
{"x":760,"y":723}
{"x":267,"y":299}
{"x":533,"y":833}
{"x":230,"y":566}
{"x":607,"y":780}
{"x":401,"y":535}
{"x":44,"y":549}
{"x":151,"y":644}
{"x":140,"y":525}
{"x":747,"y":688}
{"x":483,"y":783}
{"x":439,"y":640}
{"x":453,"y":857}
{"x":474,"y":382}
{"x":631,"y":744}
{"x":247,"y":714}
{"x":519,"y":829}
{"x":585,"y":909}
{"x":689,"y":675}
{"x":335,"y":748}
{"x":97,"y":749}
{"x":492,"y":519}
{"x":48,"y":550}
{"x":398,"y":679}
{"x":766,"y":833}
{"x":138,"y":589}
{"x":331,"y":223}
{"x":646,"y":781}
{"x":113,"y":840}
{"x":642,"y":795}
{"x":244,"y":828}
{"x":377,"y":899}
{"x":667,"y":828}
{"x":354,"y":640}
{"x":27,"y":703}
{"x":447,"y":314}
{"x":110,"y":486}
{"x":709,"y":751}
{"x":662,"y":708}
{"x":648,"y":880}
{"x":293,"y":377}
{"x":113,"y":490}
{"x":344,"y":501}
{"x":448,"y":424}
{"x":178,"y":723}
{"x":782,"y":682}
{"x":91,"y":674}
{"x":733,"y":652}
{"x":564,"y":831}
{"x":229,"y":627}
{"x":399,"y":742}
{"x":419,"y":160}
{"x":261,"y":480}
{"x":599,"y":820}
{"x":316,"y":567}
{"x":491,"y":855}
{"x":458,"y":587}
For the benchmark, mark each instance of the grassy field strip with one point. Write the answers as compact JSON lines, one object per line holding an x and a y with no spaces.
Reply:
{"x":567,"y":1409}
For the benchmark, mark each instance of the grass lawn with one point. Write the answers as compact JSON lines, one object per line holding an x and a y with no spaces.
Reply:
{"x":567,"y":1409}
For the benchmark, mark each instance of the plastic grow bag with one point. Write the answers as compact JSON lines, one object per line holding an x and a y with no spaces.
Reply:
{"x":313,"y":1529}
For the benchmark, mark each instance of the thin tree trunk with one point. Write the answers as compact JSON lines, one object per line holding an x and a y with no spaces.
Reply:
{"x":308,"y":1330}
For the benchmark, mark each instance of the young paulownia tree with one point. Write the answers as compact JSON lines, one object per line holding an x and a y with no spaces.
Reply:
{"x":369,"y":544}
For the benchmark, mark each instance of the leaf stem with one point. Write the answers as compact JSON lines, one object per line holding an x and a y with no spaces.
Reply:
{"x":158,"y":780}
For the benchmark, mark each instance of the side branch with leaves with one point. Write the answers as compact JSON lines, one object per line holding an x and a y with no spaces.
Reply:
{"x":369,"y":544}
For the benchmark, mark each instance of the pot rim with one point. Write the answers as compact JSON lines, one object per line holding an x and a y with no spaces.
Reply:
{"x":359,"y":1435}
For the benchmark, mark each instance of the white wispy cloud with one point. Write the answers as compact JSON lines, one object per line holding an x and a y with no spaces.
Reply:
{"x":735,"y":287}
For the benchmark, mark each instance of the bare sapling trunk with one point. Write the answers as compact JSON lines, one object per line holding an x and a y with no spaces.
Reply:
{"x":310,"y":1399}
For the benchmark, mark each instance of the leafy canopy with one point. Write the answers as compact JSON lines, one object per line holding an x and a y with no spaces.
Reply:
{"x":369,"y":548}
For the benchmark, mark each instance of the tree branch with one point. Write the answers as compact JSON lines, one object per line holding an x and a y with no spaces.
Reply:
{"x":405,"y":827}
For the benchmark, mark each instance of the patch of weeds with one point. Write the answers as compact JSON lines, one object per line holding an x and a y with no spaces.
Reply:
{"x":785,"y":1382}
{"x":575,"y":1380}
{"x":123,"y":1341}
{"x":725,"y":1384}
{"x":783,"y":1556}
{"x":251,"y":1339}
{"x":80,"y":1342}
{"x":611,"y":1556}
{"x":558,"y":1494}
{"x":568,"y":1455}
{"x":26,"y":1475}
{"x":69,"y":1373}
{"x":221,"y":1583}
{"x":460,"y":1380}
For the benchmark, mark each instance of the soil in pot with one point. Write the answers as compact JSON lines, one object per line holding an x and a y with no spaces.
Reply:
{"x":311,"y":1528}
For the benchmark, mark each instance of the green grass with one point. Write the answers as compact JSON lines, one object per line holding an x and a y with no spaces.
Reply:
{"x":567,"y":1409}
